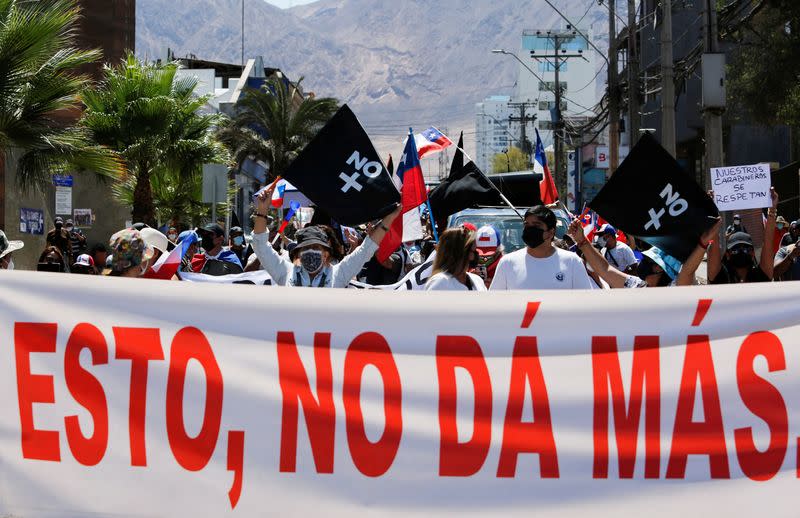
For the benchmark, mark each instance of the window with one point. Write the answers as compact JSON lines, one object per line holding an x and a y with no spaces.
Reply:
{"x":550,"y":66}
{"x":551,"y":105}
{"x":549,"y":86}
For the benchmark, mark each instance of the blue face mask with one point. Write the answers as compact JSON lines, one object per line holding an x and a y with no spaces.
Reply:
{"x":238,"y":241}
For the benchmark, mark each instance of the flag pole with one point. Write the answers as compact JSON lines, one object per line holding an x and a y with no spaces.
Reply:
{"x":427,"y":199}
{"x":502,"y":196}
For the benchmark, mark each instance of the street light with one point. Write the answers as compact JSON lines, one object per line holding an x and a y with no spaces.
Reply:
{"x":508,"y":161}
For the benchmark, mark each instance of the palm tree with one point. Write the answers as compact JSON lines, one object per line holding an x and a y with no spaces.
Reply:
{"x":152,"y":119}
{"x":39,"y":88}
{"x":274,"y":123}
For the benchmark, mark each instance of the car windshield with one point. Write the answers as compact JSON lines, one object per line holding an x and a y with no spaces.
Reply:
{"x":510,"y":229}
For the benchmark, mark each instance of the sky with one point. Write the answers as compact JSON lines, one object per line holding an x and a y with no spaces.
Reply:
{"x":288,"y":3}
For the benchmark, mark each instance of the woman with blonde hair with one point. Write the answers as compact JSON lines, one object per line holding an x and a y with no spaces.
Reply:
{"x":455,"y":255}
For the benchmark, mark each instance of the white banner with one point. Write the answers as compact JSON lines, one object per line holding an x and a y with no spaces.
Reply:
{"x":741,"y":187}
{"x":123,"y":397}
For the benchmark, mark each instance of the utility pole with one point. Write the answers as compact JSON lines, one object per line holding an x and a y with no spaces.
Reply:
{"x":242,"y":33}
{"x":667,"y":81}
{"x":559,"y":56}
{"x":613,"y":90}
{"x":523,"y":120}
{"x":712,"y":111}
{"x":634,"y":105}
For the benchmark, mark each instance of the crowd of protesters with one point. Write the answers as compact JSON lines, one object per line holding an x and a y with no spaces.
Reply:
{"x":466,"y":258}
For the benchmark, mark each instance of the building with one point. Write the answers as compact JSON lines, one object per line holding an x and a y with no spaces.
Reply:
{"x":109,"y":25}
{"x":743,"y":141}
{"x":492,"y":133}
{"x":224,"y":82}
{"x":535,"y":94}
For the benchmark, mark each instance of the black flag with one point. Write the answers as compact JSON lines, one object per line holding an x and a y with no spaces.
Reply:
{"x":466,"y":187}
{"x":651,"y":197}
{"x":340,"y":171}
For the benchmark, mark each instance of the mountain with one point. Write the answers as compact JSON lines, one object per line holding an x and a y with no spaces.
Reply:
{"x":398,"y":64}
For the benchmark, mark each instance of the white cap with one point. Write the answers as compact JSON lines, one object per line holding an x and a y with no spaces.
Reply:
{"x":155,"y":239}
{"x":487,"y":237}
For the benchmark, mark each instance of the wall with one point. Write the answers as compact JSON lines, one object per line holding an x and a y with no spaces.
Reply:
{"x":88,"y":193}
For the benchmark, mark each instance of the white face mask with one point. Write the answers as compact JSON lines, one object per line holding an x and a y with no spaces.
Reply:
{"x":602,"y":241}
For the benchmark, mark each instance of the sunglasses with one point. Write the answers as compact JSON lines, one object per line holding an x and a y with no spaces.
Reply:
{"x":742,"y":250}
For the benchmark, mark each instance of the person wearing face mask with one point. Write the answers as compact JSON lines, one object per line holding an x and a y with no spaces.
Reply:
{"x":791,"y":236}
{"x":312,"y":264}
{"x":131,"y":254}
{"x":59,"y":238}
{"x":739,"y":263}
{"x":736,"y":226}
{"x":6,"y":249}
{"x":172,"y":234}
{"x":618,"y":254}
{"x":456,"y":253}
{"x":236,"y":243}
{"x":215,"y":259}
{"x":540,"y":265}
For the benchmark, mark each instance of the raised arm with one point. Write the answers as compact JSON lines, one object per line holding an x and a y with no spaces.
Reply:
{"x":689,"y":268}
{"x":767,"y":261}
{"x":614,"y":277}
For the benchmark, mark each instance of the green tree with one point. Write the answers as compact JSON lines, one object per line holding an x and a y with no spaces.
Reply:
{"x":154,"y":121}
{"x":514,"y":160}
{"x":39,"y":87}
{"x":274,"y":123}
{"x":764,"y":75}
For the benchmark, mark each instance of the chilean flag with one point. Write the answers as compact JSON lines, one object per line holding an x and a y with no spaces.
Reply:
{"x":431,"y":141}
{"x":547,"y":187}
{"x":279,"y":193}
{"x":412,"y":195}
{"x":168,"y":264}
{"x":293,"y":208}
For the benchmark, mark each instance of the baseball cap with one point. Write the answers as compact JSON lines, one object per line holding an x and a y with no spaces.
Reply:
{"x":6,"y":246}
{"x":155,"y":239}
{"x":487,"y":240}
{"x":607,"y":229}
{"x":469,"y":226}
{"x":84,"y":260}
{"x":739,"y":238}
{"x":129,"y":249}
{"x":312,"y":235}
{"x":237,"y":230}
{"x":58,"y":219}
{"x":68,"y":222}
{"x":215,"y":228}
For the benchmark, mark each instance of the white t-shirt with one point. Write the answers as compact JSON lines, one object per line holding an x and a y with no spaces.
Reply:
{"x":620,"y":257}
{"x":445,"y":281}
{"x":520,"y":271}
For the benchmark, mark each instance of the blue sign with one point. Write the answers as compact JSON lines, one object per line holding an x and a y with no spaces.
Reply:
{"x":31,"y":221}
{"x":60,"y":180}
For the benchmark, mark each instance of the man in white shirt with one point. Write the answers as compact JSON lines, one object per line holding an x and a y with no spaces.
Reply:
{"x":619,"y":255}
{"x":540,"y":266}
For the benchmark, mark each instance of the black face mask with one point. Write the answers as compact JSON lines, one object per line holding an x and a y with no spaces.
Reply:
{"x":533,"y":236}
{"x":58,"y":226}
{"x":741,"y":260}
{"x":208,"y":243}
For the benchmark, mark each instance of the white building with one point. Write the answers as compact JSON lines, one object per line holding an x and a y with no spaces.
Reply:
{"x":492,"y":133}
{"x":577,"y":75}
